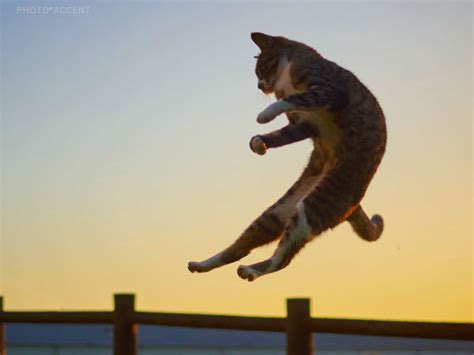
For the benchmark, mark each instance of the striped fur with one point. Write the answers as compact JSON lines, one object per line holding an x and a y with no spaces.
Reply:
{"x":331,"y":106}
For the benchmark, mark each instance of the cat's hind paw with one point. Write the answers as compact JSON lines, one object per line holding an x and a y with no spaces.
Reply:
{"x":247,"y":273}
{"x":195,"y":266}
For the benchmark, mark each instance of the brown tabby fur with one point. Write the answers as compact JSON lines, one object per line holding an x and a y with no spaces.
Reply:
{"x":331,"y":106}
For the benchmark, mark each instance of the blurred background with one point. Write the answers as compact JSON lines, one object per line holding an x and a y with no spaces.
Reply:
{"x":124,"y":151}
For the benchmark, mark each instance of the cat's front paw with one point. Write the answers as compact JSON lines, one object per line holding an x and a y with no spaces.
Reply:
{"x":273,"y":110}
{"x":258,"y":145}
{"x":268,"y":114}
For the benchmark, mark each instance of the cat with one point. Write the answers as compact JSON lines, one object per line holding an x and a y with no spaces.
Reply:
{"x":328,"y":104}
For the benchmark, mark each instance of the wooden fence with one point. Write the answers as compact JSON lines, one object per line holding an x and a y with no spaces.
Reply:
{"x":298,"y":324}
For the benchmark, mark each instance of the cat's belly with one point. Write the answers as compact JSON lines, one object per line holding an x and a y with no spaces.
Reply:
{"x":323,"y":119}
{"x":329,"y":133}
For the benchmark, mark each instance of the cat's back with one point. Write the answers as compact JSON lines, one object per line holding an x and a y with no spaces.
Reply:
{"x":352,"y":129}
{"x":354,"y":109}
{"x":354,"y":112}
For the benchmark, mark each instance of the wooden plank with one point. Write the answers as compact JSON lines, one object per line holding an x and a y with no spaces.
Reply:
{"x":56,"y":317}
{"x":211,"y":321}
{"x":2,"y":330}
{"x":453,"y":331}
{"x":298,"y":337}
{"x":125,"y":328}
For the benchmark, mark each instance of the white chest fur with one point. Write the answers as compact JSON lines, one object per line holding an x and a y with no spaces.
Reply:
{"x":283,"y":83}
{"x":324,"y":119}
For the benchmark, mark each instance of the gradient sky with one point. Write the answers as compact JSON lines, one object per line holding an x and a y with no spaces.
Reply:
{"x":125,"y":155}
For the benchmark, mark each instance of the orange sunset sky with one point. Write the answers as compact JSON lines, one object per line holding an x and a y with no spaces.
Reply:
{"x":125,"y":154}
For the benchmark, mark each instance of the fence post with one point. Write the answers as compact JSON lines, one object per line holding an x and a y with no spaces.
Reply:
{"x":2,"y":331}
{"x":125,"y":330}
{"x":298,"y":338}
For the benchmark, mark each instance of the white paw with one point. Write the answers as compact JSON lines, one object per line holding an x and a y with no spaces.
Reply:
{"x":272,"y":111}
{"x":247,"y":273}
{"x":269,"y":113}
{"x":258,"y":145}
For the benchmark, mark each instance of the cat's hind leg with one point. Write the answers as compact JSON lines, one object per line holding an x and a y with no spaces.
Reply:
{"x":324,"y":207}
{"x":297,"y":233}
{"x":368,"y":229}
{"x":266,"y":228}
{"x":263,"y":230}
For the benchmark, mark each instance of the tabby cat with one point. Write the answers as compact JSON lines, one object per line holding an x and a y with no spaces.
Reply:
{"x":328,"y":104}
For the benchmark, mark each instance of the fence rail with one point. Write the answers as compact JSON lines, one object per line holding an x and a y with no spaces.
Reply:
{"x":298,"y":324}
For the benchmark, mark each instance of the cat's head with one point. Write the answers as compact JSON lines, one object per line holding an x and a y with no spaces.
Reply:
{"x":273,"y":49}
{"x":268,"y":60}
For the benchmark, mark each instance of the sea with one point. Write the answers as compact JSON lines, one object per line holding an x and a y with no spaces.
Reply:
{"x":215,"y":351}
{"x":68,"y":339}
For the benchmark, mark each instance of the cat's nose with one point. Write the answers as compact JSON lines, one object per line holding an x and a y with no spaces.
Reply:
{"x":261,"y":85}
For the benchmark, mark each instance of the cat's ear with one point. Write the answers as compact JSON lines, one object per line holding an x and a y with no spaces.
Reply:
{"x":262,"y":40}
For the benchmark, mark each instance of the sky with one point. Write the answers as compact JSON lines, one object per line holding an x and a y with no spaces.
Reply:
{"x":124,"y":154}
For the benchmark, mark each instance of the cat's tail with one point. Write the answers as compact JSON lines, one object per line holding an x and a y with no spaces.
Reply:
{"x":368,"y":229}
